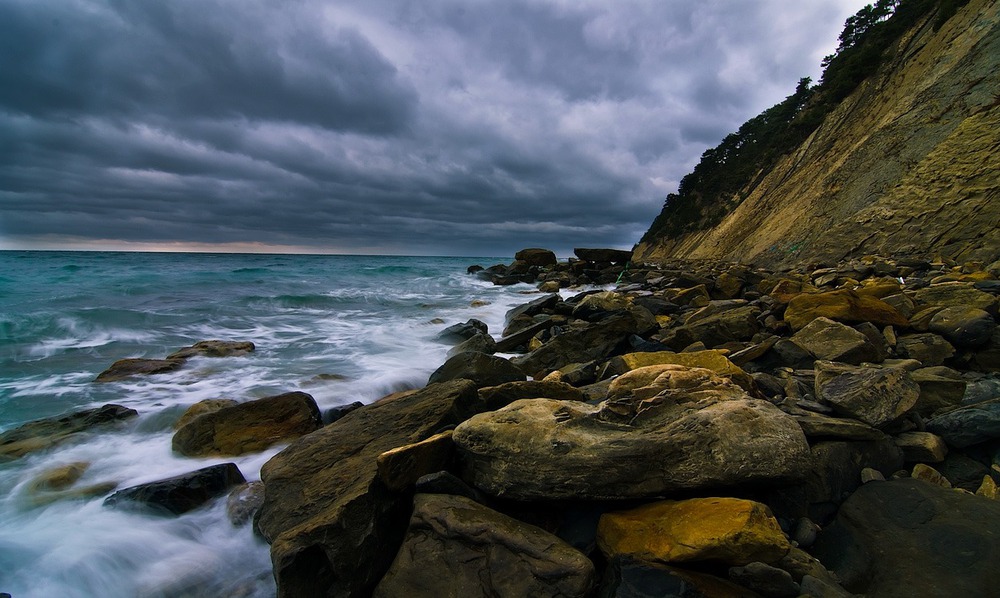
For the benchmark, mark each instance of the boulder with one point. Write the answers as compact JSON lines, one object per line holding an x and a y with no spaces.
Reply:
{"x":457,"y":547}
{"x":843,"y":306}
{"x":728,"y":530}
{"x":334,"y":528}
{"x":963,"y":326}
{"x":628,"y":578}
{"x":928,"y":348}
{"x":248,"y":427}
{"x":334,"y":413}
{"x":179,"y":494}
{"x":495,"y":397}
{"x":941,"y":389}
{"x":731,"y":325}
{"x":906,"y":537}
{"x":516,"y":339}
{"x":922,"y":447}
{"x":214,"y":349}
{"x":968,"y":425}
{"x":955,"y":294}
{"x":483,"y":369}
{"x":201,"y":408}
{"x":765,"y":579}
{"x":598,"y":304}
{"x":534,"y":256}
{"x":125,"y":368}
{"x":463,"y":331}
{"x":877,"y":396}
{"x":837,"y":467}
{"x":479,"y":343}
{"x":595,"y":341}
{"x":401,"y":467}
{"x":614,"y":256}
{"x":818,"y":426}
{"x":706,"y":435}
{"x":533,"y":308}
{"x":834,"y":341}
{"x":45,"y":433}
{"x":711,"y":359}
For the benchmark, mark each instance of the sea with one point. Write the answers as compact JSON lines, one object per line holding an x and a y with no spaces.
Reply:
{"x":341,"y":328}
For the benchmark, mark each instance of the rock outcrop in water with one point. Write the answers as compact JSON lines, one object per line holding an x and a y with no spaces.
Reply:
{"x":706,"y":449}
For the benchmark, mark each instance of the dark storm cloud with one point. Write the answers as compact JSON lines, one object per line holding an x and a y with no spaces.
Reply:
{"x":437,"y":127}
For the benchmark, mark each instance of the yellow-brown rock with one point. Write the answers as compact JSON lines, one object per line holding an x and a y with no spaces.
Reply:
{"x":842,"y":306}
{"x":728,"y":530}
{"x":989,"y":488}
{"x":402,"y":466}
{"x":201,"y":408}
{"x":711,"y":359}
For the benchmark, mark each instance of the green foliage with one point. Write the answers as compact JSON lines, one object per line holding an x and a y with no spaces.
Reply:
{"x":713,"y":189}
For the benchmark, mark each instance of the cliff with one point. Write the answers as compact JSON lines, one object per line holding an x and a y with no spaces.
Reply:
{"x":909,"y":163}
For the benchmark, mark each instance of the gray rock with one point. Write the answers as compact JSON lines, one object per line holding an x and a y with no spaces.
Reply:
{"x":483,"y":369}
{"x":968,"y":425}
{"x":478,"y":343}
{"x":463,"y":331}
{"x":765,"y":579}
{"x":928,"y":348}
{"x":243,"y":502}
{"x":593,"y":342}
{"x":965,"y":327}
{"x":702,"y":432}
{"x":457,"y":547}
{"x":834,"y":341}
{"x":891,"y":539}
{"x":876,"y":396}
{"x":180,"y":494}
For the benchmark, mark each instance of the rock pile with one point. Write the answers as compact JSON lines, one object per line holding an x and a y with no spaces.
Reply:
{"x":692,"y":432}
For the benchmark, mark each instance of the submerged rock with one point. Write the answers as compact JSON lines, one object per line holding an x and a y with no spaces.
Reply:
{"x":180,"y":494}
{"x":457,"y":547}
{"x":45,"y":433}
{"x":125,"y":368}
{"x":248,"y":427}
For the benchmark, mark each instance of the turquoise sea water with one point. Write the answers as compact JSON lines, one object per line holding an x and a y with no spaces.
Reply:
{"x":342,"y":328}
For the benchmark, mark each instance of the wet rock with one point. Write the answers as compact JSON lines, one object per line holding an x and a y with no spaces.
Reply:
{"x":535,"y":256}
{"x":479,"y":343}
{"x":701,"y":436}
{"x":456,"y":547}
{"x":45,"y":433}
{"x":180,"y":494}
{"x":483,"y":369}
{"x":968,"y":425}
{"x":832,"y":341}
{"x":963,"y":326}
{"x":728,"y":530}
{"x":125,"y":368}
{"x":941,"y":389}
{"x":243,"y":502}
{"x":895,"y":538}
{"x":629,"y":578}
{"x":534,"y":307}
{"x":517,"y":339}
{"x":402,"y":466}
{"x":847,"y":307}
{"x":334,"y":413}
{"x":201,"y":408}
{"x":876,"y":396}
{"x":248,"y":427}
{"x":214,"y":349}
{"x":464,"y":331}
{"x":333,"y":526}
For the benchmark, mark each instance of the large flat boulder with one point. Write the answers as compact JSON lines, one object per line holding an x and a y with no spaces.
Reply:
{"x":333,"y":526}
{"x":707,"y":433}
{"x":135,"y":366}
{"x":842,"y":306}
{"x":248,"y":427}
{"x":910,"y":538}
{"x":180,"y":494}
{"x":457,"y":547}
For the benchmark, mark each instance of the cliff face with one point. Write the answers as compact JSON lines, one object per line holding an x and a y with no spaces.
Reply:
{"x":908,"y":163}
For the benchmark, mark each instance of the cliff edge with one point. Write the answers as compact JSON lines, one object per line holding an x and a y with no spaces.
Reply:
{"x":909,"y":163}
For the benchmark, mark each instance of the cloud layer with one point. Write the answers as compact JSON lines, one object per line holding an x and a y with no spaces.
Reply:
{"x":444,"y":127}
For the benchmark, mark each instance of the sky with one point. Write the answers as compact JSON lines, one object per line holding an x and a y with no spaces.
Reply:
{"x":440,"y":127}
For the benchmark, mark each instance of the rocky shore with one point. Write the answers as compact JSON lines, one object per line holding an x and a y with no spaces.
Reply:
{"x":684,"y":429}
